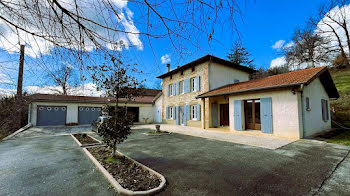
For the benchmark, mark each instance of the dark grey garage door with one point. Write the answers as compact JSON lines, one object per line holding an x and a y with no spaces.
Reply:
{"x":51,"y":115}
{"x":88,"y":114}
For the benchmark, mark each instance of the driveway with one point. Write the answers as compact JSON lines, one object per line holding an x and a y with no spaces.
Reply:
{"x":55,"y":165}
{"x":198,"y":166}
{"x":48,"y":165}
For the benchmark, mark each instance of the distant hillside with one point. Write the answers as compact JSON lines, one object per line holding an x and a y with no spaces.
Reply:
{"x":341,"y":108}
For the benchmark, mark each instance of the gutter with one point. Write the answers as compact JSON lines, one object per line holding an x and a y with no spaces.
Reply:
{"x":302,"y":109}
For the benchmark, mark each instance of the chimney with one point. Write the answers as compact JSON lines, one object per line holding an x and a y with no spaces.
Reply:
{"x":168,"y":66}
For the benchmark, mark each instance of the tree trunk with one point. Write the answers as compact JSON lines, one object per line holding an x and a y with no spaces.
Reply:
{"x":114,"y":149}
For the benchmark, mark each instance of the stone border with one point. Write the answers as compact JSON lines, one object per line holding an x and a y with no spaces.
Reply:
{"x":85,"y":145}
{"x":17,"y":132}
{"x":157,"y":134}
{"x":118,"y":187}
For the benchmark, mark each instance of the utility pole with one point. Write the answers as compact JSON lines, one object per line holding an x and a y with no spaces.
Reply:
{"x":19,"y":98}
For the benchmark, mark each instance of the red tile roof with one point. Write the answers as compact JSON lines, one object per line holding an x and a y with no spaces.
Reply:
{"x":290,"y":79}
{"x":147,"y":99}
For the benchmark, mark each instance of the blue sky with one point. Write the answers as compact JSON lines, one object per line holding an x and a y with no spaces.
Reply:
{"x":261,"y":24}
{"x":264,"y":23}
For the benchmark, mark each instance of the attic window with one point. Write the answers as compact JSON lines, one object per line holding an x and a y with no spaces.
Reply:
{"x":171,"y":77}
{"x":182,"y":72}
{"x":307,"y":104}
{"x":193,"y":68}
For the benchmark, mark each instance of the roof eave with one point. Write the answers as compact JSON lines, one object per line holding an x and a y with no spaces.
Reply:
{"x":250,"y":90}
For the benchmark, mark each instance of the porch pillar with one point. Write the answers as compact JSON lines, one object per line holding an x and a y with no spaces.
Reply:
{"x":203,"y":113}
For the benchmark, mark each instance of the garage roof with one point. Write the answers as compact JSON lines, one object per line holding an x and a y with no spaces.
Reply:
{"x":148,"y":98}
{"x":291,"y":79}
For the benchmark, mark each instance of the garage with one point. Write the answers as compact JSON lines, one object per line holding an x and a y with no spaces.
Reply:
{"x":51,"y":115}
{"x":87,"y":115}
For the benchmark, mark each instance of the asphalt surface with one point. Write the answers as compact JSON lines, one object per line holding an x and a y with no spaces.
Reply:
{"x":48,"y":166}
{"x":55,"y":165}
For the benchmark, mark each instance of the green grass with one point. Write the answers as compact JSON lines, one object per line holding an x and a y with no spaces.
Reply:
{"x":343,"y":138}
{"x":341,"y":80}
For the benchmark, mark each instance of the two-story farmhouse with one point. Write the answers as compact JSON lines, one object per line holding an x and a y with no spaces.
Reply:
{"x":211,"y":92}
{"x":182,"y":85}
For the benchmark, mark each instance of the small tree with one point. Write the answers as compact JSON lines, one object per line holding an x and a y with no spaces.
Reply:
{"x":116,"y":81}
{"x":240,"y":55}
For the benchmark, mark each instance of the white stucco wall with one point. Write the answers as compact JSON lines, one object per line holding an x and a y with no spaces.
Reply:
{"x":145,"y":111}
{"x":313,"y":118}
{"x":220,"y":75}
{"x":285,"y":117}
{"x":158,"y":105}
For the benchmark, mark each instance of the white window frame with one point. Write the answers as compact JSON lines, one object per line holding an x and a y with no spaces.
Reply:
{"x":192,"y":84}
{"x":171,"y":112}
{"x":181,"y":90}
{"x":193,"y":112}
{"x":171,"y":90}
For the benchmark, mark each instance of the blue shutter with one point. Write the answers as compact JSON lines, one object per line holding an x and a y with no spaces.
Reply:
{"x":174,"y":89}
{"x":177,"y":88}
{"x":196,"y":84}
{"x":177,"y":115}
{"x":199,"y":112}
{"x":266,"y":114}
{"x":174,"y":112}
{"x":187,"y":85}
{"x":187,"y":114}
{"x":235,"y":81}
{"x":214,"y":115}
{"x":167,"y":90}
{"x":237,"y":114}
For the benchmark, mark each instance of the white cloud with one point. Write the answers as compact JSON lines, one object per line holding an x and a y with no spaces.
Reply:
{"x":336,"y":13}
{"x":4,"y":78}
{"x":165,"y":59}
{"x":278,"y":62}
{"x":88,"y":89}
{"x":92,"y":9}
{"x":279,"y":44}
{"x":7,"y":92}
{"x":289,"y":44}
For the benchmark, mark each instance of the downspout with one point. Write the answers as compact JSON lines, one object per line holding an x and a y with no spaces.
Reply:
{"x":302,"y":109}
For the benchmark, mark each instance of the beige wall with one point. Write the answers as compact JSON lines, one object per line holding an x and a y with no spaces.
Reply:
{"x":220,"y":75}
{"x":285,"y":111}
{"x":313,"y":118}
{"x":145,"y":111}
{"x":186,"y":98}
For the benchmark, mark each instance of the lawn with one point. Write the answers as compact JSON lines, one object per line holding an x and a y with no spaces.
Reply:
{"x":343,"y":138}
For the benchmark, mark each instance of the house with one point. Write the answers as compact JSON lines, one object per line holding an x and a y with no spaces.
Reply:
{"x":211,"y":93}
{"x":294,"y":104}
{"x":182,"y":85}
{"x":48,"y":109}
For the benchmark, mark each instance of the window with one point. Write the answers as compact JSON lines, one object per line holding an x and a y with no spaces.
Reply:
{"x":171,"y":91}
{"x":192,"y":83}
{"x":324,"y":104}
{"x":171,"y":116}
{"x":307,"y":104}
{"x":171,"y":77}
{"x":193,"y":112}
{"x":235,"y":81}
{"x":181,"y":87}
{"x":182,"y":73}
{"x":193,"y":69}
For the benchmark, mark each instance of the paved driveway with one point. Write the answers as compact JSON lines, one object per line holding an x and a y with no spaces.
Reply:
{"x":48,"y":166}
{"x":55,"y":165}
{"x":198,"y":166}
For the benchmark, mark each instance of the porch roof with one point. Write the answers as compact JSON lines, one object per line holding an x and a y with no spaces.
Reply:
{"x":286,"y":80}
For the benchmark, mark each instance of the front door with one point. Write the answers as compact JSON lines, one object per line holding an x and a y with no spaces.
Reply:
{"x":252,"y":114}
{"x":224,"y":114}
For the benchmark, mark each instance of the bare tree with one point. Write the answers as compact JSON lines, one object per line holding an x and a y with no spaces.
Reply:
{"x":331,"y":21}
{"x":64,"y":78}
{"x":309,"y":48}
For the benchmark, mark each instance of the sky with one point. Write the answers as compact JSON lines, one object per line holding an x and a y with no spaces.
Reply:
{"x":263,"y":27}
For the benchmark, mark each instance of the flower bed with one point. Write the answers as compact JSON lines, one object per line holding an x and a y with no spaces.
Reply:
{"x":130,"y":174}
{"x":85,"y":140}
{"x":154,"y":132}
